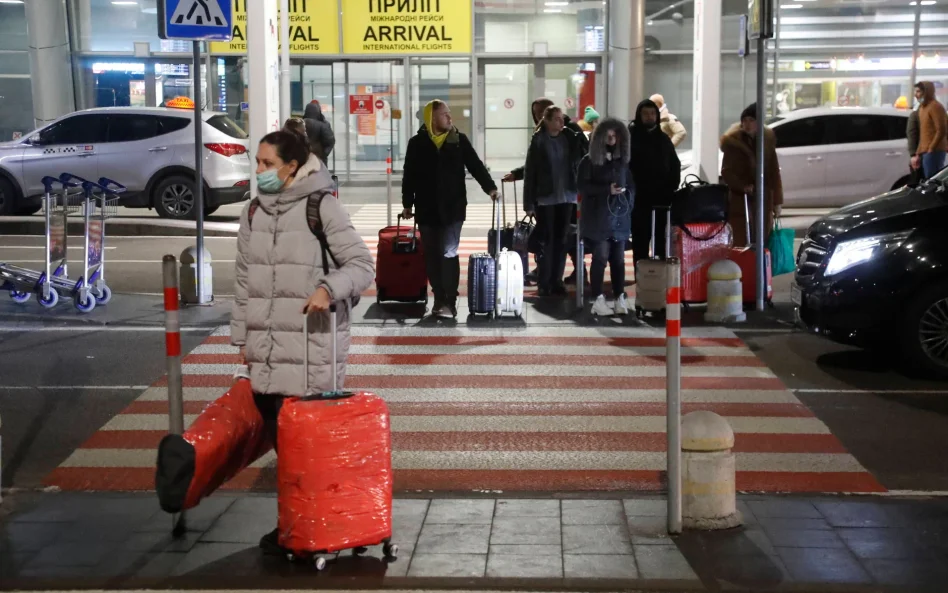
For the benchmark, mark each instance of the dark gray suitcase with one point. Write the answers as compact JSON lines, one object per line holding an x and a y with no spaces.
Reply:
{"x":481,"y":283}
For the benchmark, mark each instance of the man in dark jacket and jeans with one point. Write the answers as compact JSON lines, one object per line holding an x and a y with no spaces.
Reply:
{"x":656,"y":172}
{"x":321,"y":138}
{"x":434,"y":184}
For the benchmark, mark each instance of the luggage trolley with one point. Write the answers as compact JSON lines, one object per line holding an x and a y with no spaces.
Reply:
{"x":100,"y":203}
{"x":22,"y":283}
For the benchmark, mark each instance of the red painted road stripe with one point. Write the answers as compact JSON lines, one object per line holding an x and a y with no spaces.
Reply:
{"x":528,"y":341}
{"x":538,"y":360}
{"x":524,"y":441}
{"x":769,"y":410}
{"x":376,"y":383}
{"x":143,"y":479}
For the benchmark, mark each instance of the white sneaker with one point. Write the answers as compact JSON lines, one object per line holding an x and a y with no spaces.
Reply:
{"x":600,"y":308}
{"x":621,"y":305}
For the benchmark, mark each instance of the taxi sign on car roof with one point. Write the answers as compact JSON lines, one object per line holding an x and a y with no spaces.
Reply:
{"x":180,"y":103}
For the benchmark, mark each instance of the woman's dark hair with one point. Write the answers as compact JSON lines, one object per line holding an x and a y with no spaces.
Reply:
{"x":289,"y":146}
{"x":296,"y":125}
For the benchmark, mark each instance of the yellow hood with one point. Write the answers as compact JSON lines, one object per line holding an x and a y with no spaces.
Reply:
{"x":438,"y":139}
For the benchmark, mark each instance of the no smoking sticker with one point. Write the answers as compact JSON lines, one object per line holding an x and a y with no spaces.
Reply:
{"x":509,"y":103}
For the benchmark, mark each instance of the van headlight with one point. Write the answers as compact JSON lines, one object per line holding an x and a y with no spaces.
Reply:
{"x":852,"y":253}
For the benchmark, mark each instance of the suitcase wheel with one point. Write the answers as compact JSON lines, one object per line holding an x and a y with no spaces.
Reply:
{"x":359,"y":551}
{"x":318,"y":561}
{"x":390,"y":550}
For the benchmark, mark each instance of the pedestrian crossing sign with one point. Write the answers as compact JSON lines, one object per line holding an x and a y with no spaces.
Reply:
{"x":195,"y":20}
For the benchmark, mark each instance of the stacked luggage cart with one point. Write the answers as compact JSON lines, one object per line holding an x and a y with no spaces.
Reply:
{"x":95,"y":202}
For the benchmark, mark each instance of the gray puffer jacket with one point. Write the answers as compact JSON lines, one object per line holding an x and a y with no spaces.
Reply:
{"x":279,"y":265}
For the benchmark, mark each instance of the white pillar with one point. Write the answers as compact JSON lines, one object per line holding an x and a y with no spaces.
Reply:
{"x":264,"y":74}
{"x":626,"y":57}
{"x":706,"y":133}
{"x":50,"y":66}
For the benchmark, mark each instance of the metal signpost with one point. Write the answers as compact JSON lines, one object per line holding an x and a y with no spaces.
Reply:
{"x":761,"y":28}
{"x":197,"y":21}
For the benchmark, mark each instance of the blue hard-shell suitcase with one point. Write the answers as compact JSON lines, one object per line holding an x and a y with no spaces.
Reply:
{"x":481,"y":283}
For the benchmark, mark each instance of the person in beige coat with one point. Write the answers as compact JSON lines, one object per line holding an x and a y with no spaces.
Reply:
{"x":280,"y":278}
{"x":673,"y":128}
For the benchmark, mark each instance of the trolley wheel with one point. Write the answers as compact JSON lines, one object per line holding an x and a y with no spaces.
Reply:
{"x":84,"y":306}
{"x":51,"y":302}
{"x":103,"y":296}
{"x":19,"y":297}
{"x":380,"y":295}
{"x":319,"y":562}
{"x":359,"y":550}
{"x":390,"y":550}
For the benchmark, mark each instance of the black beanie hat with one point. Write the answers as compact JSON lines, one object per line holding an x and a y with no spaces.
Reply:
{"x":749,"y":112}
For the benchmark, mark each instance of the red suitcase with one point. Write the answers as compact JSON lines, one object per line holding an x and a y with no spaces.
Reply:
{"x":400,"y":265}
{"x":697,"y":246}
{"x":228,"y":436}
{"x":334,"y":471}
{"x":746,"y":258}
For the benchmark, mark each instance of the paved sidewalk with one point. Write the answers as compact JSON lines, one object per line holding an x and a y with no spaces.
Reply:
{"x":72,"y":540}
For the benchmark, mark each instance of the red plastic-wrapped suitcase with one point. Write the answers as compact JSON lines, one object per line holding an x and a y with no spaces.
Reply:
{"x":746,"y":258}
{"x":699,"y":245}
{"x":228,"y":436}
{"x":334,"y":471}
{"x":400,"y":265}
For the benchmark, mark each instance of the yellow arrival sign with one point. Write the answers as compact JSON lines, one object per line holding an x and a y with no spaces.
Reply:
{"x":314,"y":28}
{"x":407,"y":26}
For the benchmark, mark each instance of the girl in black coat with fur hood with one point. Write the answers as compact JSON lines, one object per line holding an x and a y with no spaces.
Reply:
{"x":608,"y":194}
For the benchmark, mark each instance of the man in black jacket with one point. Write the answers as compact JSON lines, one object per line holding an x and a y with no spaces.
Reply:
{"x":656,"y":171}
{"x":433,"y":184}
{"x":321,"y":138}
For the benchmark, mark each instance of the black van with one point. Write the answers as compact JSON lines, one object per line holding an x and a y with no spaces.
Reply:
{"x":876,"y":273}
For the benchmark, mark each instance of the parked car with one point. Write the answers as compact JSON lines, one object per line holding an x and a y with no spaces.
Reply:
{"x":834,"y":156}
{"x":149,"y":150}
{"x":876,"y":272}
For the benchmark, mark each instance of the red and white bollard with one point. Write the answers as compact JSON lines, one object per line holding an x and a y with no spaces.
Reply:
{"x":173,"y":361}
{"x":673,"y":390}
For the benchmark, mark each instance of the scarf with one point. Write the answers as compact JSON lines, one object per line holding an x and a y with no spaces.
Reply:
{"x":438,"y":139}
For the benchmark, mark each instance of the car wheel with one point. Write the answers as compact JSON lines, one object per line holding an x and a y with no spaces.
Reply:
{"x":924,"y":331}
{"x":7,"y":198}
{"x":174,"y":198}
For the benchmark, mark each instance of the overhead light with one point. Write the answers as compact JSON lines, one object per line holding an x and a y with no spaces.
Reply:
{"x":556,"y":3}
{"x":124,"y":3}
{"x":552,"y":10}
{"x":924,"y":3}
{"x":790,"y":6}
{"x":11,"y":1}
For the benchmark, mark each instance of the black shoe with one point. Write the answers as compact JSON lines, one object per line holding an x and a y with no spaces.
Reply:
{"x":559,"y":290}
{"x":544,"y":292}
{"x":436,"y":308}
{"x":270,"y":543}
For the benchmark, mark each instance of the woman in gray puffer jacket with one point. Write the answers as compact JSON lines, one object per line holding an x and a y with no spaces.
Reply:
{"x":280,"y":272}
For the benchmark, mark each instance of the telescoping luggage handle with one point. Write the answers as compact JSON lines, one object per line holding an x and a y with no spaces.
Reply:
{"x":398,"y":234}
{"x":668,"y":225}
{"x":326,"y":395}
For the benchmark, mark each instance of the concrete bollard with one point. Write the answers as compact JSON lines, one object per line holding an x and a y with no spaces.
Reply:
{"x":709,"y":497}
{"x":188,"y":278}
{"x":725,"y":295}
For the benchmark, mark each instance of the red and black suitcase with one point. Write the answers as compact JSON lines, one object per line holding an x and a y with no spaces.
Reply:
{"x":334,"y":470}
{"x":697,"y":246}
{"x":400,"y":265}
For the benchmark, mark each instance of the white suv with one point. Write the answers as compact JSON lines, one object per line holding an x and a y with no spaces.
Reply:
{"x":834,"y":156}
{"x":149,"y":150}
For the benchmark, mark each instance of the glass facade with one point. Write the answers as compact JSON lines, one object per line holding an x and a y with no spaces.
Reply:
{"x":827,"y":52}
{"x":16,"y":93}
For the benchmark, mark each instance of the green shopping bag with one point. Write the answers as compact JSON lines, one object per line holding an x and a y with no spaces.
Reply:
{"x":780,"y":245}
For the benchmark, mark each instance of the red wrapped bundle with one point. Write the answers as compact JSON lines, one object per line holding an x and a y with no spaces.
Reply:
{"x":699,"y":245}
{"x":334,"y":473}
{"x":228,"y":436}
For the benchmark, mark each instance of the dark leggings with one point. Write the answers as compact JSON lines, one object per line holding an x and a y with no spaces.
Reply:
{"x":269,"y":408}
{"x":554,"y":224}
{"x":612,"y":252}
{"x":442,"y":262}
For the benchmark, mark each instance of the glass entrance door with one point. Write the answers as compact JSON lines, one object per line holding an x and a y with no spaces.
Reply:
{"x":511,"y":86}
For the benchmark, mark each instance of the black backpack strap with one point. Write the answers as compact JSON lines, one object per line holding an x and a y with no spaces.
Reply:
{"x":315,"y":221}
{"x":254,"y":204}
{"x":710,"y":237}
